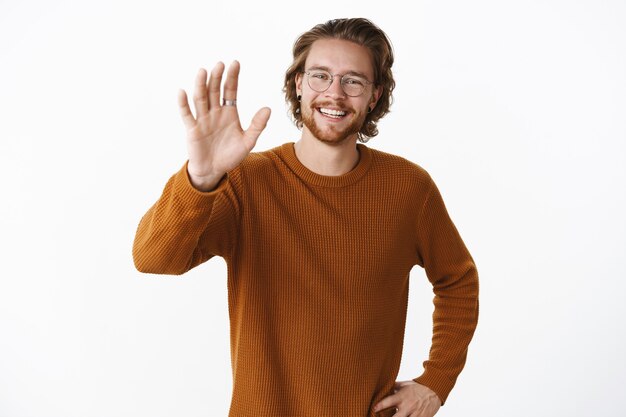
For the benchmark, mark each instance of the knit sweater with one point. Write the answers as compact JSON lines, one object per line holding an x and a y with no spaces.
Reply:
{"x":318,"y":277}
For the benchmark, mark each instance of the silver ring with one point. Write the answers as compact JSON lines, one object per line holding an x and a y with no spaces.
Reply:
{"x":229,"y":102}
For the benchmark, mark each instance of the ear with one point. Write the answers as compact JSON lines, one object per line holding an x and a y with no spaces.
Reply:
{"x":376,"y":95}
{"x":298,"y":83}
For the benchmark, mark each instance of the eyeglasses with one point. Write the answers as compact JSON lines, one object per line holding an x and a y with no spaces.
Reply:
{"x":352,"y":85}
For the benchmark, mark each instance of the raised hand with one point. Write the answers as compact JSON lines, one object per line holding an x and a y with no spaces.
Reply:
{"x":216,"y":143}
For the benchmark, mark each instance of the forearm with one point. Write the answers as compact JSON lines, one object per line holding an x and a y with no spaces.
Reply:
{"x":166,"y":241}
{"x":454,"y":321}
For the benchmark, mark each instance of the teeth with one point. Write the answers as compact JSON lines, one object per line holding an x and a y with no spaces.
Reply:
{"x":333,"y":113}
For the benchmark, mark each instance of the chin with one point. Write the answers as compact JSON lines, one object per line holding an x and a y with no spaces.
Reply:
{"x":331,"y":137}
{"x":333,"y":140}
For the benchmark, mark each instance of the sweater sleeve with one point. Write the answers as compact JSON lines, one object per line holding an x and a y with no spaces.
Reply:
{"x":186,"y":227}
{"x":453,"y":274}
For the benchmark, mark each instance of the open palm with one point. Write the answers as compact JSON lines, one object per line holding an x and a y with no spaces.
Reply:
{"x":216,"y":142}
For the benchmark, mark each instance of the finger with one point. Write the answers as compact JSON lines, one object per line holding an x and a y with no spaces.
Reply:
{"x":199,"y":94}
{"x":232,"y":81}
{"x":214,"y":85}
{"x":258,"y":123}
{"x":387,"y":402}
{"x":185,"y":111}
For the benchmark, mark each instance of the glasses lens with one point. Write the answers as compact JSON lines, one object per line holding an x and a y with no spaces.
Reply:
{"x":319,"y":80}
{"x":353,"y":85}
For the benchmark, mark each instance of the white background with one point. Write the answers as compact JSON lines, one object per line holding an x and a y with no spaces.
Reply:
{"x":516,"y":108}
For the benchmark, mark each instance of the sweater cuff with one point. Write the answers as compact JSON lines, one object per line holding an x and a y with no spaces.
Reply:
{"x":436,"y":381}
{"x":193,"y":197}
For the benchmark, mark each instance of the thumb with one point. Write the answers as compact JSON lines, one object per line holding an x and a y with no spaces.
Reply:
{"x":258,"y":123}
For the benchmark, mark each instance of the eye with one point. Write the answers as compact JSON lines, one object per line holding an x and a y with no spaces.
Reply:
{"x":320,"y":75}
{"x":354,"y":81}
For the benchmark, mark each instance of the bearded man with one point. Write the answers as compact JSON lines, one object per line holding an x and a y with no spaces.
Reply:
{"x":319,"y":237}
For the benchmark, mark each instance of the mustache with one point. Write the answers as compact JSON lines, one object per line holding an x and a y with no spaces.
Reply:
{"x":330,"y":104}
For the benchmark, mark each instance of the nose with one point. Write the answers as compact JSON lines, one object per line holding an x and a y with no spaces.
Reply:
{"x":335,"y":90}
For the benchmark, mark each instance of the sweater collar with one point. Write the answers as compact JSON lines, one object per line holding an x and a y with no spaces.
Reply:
{"x":288,"y":154}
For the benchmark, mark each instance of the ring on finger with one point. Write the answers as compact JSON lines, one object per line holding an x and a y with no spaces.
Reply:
{"x":226,"y":102}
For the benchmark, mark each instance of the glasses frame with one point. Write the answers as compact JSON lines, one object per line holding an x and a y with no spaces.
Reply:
{"x":332,"y":79}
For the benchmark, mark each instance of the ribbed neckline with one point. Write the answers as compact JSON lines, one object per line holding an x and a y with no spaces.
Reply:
{"x":287,"y":153}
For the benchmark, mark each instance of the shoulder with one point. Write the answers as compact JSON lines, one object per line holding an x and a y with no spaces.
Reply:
{"x":257,"y":168}
{"x":399,"y":168}
{"x":258,"y":161}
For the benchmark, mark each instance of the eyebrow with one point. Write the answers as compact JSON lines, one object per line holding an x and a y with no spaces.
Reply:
{"x":360,"y":74}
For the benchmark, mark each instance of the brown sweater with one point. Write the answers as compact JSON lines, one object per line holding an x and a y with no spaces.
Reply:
{"x":318,"y":277}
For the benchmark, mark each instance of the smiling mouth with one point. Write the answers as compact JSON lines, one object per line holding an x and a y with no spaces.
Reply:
{"x":334,"y":114}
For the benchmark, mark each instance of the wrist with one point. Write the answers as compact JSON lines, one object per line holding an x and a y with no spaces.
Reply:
{"x":204,"y":183}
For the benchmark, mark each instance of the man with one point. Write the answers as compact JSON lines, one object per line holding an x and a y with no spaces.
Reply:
{"x":319,"y":237}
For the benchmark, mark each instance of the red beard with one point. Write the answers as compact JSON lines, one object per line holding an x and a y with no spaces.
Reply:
{"x":331,"y":133}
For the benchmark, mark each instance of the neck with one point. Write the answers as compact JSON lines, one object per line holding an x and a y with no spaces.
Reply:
{"x":325,"y":158}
